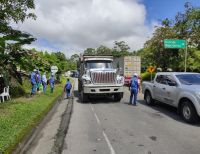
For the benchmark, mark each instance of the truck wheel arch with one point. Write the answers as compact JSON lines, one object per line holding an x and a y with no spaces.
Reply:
{"x":148,"y":97}
{"x":147,"y":90}
{"x":193,"y":118}
{"x":181,"y":101}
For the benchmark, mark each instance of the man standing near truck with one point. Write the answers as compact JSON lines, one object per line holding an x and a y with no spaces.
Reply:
{"x":134,"y":86}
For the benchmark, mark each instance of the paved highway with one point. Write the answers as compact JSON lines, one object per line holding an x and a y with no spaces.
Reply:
{"x":105,"y":127}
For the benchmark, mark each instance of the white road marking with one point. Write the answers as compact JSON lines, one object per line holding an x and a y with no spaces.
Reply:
{"x":98,"y":121}
{"x":92,"y":108}
{"x":112,"y":151}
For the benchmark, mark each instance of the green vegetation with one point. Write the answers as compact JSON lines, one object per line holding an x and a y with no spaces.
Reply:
{"x":18,"y":116}
{"x":120,"y":49}
{"x":147,"y":76}
{"x":11,"y":40}
{"x":185,"y":26}
{"x":13,"y":58}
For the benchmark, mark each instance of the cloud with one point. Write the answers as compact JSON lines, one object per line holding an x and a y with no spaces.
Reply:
{"x":73,"y":25}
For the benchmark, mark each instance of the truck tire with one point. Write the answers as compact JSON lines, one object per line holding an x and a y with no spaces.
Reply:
{"x":188,"y":112}
{"x":79,"y":86}
{"x":117,"y":97}
{"x":84,"y":97}
{"x":148,"y":98}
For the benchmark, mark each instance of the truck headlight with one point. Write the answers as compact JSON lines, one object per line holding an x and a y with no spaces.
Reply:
{"x":87,"y":81}
{"x":120,"y":79}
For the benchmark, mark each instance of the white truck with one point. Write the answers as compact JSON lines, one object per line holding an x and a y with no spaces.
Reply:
{"x":98,"y":77}
{"x":127,"y":66}
{"x":178,"y":89}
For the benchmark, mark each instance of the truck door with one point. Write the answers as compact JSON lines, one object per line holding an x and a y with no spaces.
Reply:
{"x":156,"y":88}
{"x":169,"y":90}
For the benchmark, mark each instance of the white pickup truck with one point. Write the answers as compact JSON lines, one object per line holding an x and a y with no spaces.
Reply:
{"x":178,"y":89}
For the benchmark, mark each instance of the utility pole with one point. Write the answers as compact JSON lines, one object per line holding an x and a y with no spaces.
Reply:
{"x":185,"y":55}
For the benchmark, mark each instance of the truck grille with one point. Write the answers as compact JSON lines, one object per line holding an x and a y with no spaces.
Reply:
{"x":103,"y":77}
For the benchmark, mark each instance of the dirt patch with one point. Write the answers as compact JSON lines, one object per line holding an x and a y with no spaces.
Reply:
{"x":4,"y":112}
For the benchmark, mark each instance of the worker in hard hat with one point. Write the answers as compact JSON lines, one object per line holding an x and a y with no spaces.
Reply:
{"x":134,"y":87}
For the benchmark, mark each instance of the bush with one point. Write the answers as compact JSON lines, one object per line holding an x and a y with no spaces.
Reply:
{"x":147,"y":76}
{"x":17,"y":91}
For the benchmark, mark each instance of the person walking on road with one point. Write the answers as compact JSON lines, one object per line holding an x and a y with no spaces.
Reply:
{"x":44,"y":82}
{"x":52,"y":82}
{"x":68,"y":87}
{"x":33,"y":82}
{"x":134,"y":86}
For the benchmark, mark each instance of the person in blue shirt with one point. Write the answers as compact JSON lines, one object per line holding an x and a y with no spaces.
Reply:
{"x":52,"y":82}
{"x":134,"y":86}
{"x":68,"y":87}
{"x":33,"y":82}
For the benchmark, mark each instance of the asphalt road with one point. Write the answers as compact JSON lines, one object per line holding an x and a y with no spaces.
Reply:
{"x":105,"y":127}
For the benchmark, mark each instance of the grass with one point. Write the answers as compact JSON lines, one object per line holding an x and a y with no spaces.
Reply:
{"x":17,"y":117}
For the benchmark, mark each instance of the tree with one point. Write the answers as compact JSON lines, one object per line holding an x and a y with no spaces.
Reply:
{"x":103,"y":50}
{"x":11,"y":54}
{"x":90,"y":51}
{"x":74,"y":57}
{"x":120,"y":49}
{"x":185,"y":26}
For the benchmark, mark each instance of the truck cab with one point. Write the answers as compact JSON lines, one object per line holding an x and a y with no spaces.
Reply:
{"x":98,"y":77}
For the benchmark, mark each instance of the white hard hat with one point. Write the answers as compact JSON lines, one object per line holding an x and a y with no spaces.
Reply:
{"x":34,"y":70}
{"x":135,"y":74}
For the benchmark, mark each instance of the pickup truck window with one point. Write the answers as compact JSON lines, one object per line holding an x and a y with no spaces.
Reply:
{"x":189,"y":79}
{"x":166,"y":80}
{"x":98,"y":64}
{"x":159,"y":78}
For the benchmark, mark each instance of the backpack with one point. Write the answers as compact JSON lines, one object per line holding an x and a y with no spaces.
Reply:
{"x":68,"y":85}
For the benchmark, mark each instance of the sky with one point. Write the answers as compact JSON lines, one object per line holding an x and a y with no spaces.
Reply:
{"x":71,"y":26}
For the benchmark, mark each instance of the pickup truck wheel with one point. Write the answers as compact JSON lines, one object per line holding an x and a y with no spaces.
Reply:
{"x":117,"y":97}
{"x":84,"y":97}
{"x":148,"y":98}
{"x":188,"y":112}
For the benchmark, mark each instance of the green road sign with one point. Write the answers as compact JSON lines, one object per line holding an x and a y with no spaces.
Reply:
{"x":175,"y":44}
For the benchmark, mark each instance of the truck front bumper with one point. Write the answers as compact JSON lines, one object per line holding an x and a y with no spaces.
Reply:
{"x":103,"y":89}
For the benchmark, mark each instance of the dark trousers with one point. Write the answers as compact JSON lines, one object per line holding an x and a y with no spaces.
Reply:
{"x":68,"y":93}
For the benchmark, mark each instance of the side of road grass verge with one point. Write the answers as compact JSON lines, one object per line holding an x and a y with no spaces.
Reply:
{"x":19,"y":116}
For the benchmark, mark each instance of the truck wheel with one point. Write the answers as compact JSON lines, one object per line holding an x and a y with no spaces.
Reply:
{"x":117,"y":97}
{"x":84,"y":97}
{"x":148,"y":98}
{"x":188,"y":112}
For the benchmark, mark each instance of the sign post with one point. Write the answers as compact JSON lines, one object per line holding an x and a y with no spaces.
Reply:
{"x":177,"y":44}
{"x":186,"y":57}
{"x":151,"y":69}
{"x":54,"y":69}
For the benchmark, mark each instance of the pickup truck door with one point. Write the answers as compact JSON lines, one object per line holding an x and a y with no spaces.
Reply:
{"x":156,"y":88}
{"x":169,"y":90}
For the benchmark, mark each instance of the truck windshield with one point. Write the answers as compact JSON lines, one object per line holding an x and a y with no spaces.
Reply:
{"x":98,"y":64}
{"x":189,"y":79}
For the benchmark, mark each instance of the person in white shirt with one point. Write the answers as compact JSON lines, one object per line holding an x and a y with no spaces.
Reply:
{"x":44,"y":82}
